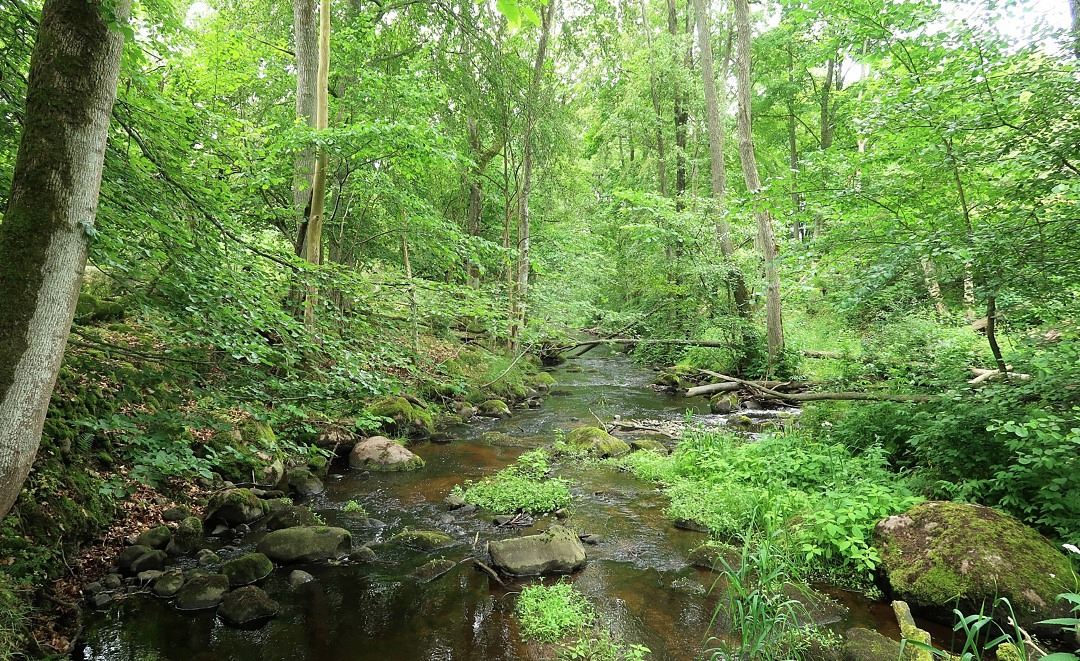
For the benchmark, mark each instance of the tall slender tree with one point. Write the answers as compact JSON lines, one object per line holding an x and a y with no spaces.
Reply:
{"x":51,"y":212}
{"x":313,"y":241}
{"x":306,"y":38}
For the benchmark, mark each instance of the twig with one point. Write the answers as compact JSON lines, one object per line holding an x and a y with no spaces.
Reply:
{"x":489,"y":571}
{"x":507,"y":370}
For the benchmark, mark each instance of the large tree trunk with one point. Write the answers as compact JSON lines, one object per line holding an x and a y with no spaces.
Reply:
{"x":50,"y":214}
{"x":306,"y":33}
{"x":681,"y":113}
{"x":476,"y":192}
{"x":774,"y":332}
{"x":716,"y":151}
{"x":654,"y":95}
{"x":313,"y":240}
{"x":524,"y":222}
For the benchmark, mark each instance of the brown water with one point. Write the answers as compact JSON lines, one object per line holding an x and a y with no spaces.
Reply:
{"x":637,"y":576}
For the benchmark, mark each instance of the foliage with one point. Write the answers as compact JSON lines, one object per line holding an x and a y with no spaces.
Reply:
{"x":548,"y":613}
{"x":977,"y":629}
{"x":1071,"y":625}
{"x":521,"y":487}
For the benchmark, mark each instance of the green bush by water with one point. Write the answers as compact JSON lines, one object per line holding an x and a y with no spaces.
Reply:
{"x":521,"y":487}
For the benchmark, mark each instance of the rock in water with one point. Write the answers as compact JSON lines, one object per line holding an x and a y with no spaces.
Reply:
{"x":493,"y":408}
{"x":187,"y":537}
{"x":303,"y":482}
{"x":247,"y":569}
{"x":202,"y":592}
{"x":379,"y":453}
{"x":247,"y":606}
{"x":306,"y":544}
{"x":290,"y":517}
{"x":557,"y":551}
{"x":866,"y":645}
{"x":940,"y":552}
{"x":597,"y":442}
{"x":156,"y":538}
{"x":235,"y":506}
{"x":169,"y":584}
{"x":423,"y":540}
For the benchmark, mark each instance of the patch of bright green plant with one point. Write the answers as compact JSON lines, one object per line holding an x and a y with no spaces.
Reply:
{"x":14,"y":609}
{"x":520,"y":487}
{"x":978,"y":635}
{"x":550,"y":612}
{"x":353,"y":507}
{"x":1071,"y":624}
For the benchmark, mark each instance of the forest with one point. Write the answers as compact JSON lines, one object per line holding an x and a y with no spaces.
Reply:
{"x":540,"y":329}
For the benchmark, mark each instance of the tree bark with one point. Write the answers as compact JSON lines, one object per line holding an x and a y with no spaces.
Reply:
{"x":313,"y":240}
{"x":774,"y":330}
{"x":51,"y":211}
{"x":768,"y":393}
{"x":476,"y":192}
{"x":306,"y":35}
{"x":654,"y":96}
{"x":933,"y":287}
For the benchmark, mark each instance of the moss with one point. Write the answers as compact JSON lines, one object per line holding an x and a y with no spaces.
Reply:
{"x":1008,"y":652}
{"x":540,"y":380}
{"x":866,"y":645}
{"x":596,"y":442}
{"x":90,"y":309}
{"x":425,"y":540}
{"x":403,"y":417}
{"x":247,"y":569}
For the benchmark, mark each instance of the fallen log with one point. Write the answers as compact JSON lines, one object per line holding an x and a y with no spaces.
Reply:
{"x":630,"y":426}
{"x":768,"y":393}
{"x":984,"y":374}
{"x":731,"y":386}
{"x":711,"y":344}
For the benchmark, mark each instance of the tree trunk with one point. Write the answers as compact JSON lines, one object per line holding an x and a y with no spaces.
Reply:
{"x":654,"y":95}
{"x":933,"y":287}
{"x":524,"y":222}
{"x":306,"y":34}
{"x":51,"y":211}
{"x":798,"y":231}
{"x":681,"y":113}
{"x":716,"y":151}
{"x":1074,"y":8}
{"x":991,"y":334}
{"x":313,"y":240}
{"x":828,"y":126}
{"x":774,"y":330}
{"x":476,"y":192}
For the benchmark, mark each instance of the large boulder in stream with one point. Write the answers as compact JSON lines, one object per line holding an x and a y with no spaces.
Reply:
{"x":202,"y":592}
{"x":596,"y":442}
{"x":493,"y":408}
{"x":247,"y":606}
{"x":234,"y":507}
{"x":379,"y":453}
{"x":556,"y":551}
{"x":247,"y":569}
{"x":941,"y":555}
{"x":306,"y":544}
{"x":303,"y":482}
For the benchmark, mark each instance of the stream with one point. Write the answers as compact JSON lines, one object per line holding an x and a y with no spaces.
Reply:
{"x":637,"y":576}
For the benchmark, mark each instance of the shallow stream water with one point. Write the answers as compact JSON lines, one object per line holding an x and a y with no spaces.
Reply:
{"x":637,"y":576}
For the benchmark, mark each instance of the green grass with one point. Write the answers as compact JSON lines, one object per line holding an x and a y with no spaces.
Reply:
{"x":521,"y":487}
{"x":548,"y":613}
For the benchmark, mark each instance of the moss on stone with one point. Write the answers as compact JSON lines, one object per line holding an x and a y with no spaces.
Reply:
{"x":90,"y":309}
{"x":596,"y":442}
{"x":540,"y":380}
{"x":247,"y":569}
{"x":403,"y":417}
{"x":425,"y":540}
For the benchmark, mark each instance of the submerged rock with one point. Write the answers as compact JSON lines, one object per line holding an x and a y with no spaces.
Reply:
{"x":306,"y":544}
{"x":942,"y":555}
{"x":424,"y":540}
{"x":557,"y":551}
{"x":202,"y":592}
{"x":597,"y":442}
{"x":379,"y":453}
{"x":247,"y":569}
{"x":433,"y":569}
{"x":247,"y":606}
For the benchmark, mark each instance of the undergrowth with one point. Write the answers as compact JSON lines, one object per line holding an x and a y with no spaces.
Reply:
{"x":520,"y":487}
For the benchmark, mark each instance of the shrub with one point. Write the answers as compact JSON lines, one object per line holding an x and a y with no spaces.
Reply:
{"x":548,"y":613}
{"x":521,"y":487}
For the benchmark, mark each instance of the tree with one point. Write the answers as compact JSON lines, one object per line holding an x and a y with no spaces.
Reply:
{"x":50,"y":215}
{"x":313,"y":240}
{"x":306,"y":31}
{"x":774,"y":329}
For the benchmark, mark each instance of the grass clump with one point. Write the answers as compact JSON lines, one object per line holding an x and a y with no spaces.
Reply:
{"x":549,"y":613}
{"x":521,"y":487}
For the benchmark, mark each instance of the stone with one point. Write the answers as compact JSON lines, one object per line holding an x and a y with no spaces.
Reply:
{"x":464,"y":410}
{"x":865,"y":645}
{"x":186,"y":538}
{"x":233,"y":507}
{"x":298,"y":577}
{"x":493,"y":408}
{"x":273,"y":472}
{"x":155,"y":538}
{"x":541,"y":381}
{"x":247,"y":606}
{"x":151,"y":560}
{"x":318,"y":465}
{"x":304,"y":483}
{"x":247,"y":569}
{"x":363,"y":555}
{"x":168,"y":584}
{"x":149,"y":576}
{"x":500,"y":439}
{"x":590,"y":539}
{"x":690,"y":524}
{"x":596,"y":442}
{"x":379,"y":453}
{"x":92,"y":588}
{"x":207,"y":557}
{"x":942,"y":555}
{"x":112,"y":581}
{"x":335,"y":439}
{"x":102,"y":600}
{"x":445,"y":519}
{"x":423,"y":540}
{"x":724,"y":402}
{"x":290,"y":516}
{"x":713,"y":555}
{"x":556,"y":551}
{"x":129,"y":555}
{"x":910,"y":631}
{"x":202,"y":592}
{"x":502,"y":519}
{"x":454,"y":501}
{"x":305,"y":544}
{"x":403,"y":417}
{"x":433,"y":569}
{"x":561,"y":392}
{"x":177,"y":513}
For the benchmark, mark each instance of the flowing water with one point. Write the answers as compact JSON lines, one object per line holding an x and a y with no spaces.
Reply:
{"x":637,"y":576}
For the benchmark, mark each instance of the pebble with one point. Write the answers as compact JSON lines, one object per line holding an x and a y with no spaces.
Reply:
{"x":149,"y":575}
{"x":112,"y":581}
{"x":102,"y":600}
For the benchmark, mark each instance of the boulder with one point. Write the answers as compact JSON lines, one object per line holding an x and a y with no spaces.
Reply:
{"x":493,"y":408}
{"x":247,"y":606}
{"x":290,"y":516}
{"x":464,"y":410}
{"x":202,"y":592}
{"x":379,"y":453}
{"x":168,"y":584}
{"x":177,"y":513}
{"x":152,"y":560}
{"x":207,"y":557}
{"x":305,"y":544}
{"x":596,"y":442}
{"x":186,"y":538}
{"x":233,"y":507}
{"x":273,"y":472}
{"x":724,"y":402}
{"x":247,"y":569}
{"x":941,"y":555}
{"x":649,"y":445}
{"x":335,"y":439}
{"x":557,"y":551}
{"x":156,"y":538}
{"x":714,"y":555}
{"x":129,"y":555}
{"x":403,"y":417}
{"x":303,"y":482}
{"x":298,"y":577}
{"x":865,"y":645}
{"x":423,"y":540}
{"x":541,"y":381}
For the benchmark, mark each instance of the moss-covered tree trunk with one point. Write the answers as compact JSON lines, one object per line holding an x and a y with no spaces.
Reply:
{"x":50,"y":214}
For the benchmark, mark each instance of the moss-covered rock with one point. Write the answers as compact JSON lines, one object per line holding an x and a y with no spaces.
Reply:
{"x":90,"y":308}
{"x":676,"y":377}
{"x":424,"y":540}
{"x":724,"y":402}
{"x":155,"y":538}
{"x":648,"y":445}
{"x":556,"y":551}
{"x":596,"y":442}
{"x":247,"y":569}
{"x":168,"y":584}
{"x":865,"y":645}
{"x":291,"y":516}
{"x":493,"y":408}
{"x":433,"y":569}
{"x":403,"y":417}
{"x":247,"y":606}
{"x":541,"y":381}
{"x":202,"y":592}
{"x":235,"y":506}
{"x":713,"y":555}
{"x":306,"y":544}
{"x":187,"y":537}
{"x":941,"y":555}
{"x":303,"y":482}
{"x":379,"y":453}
